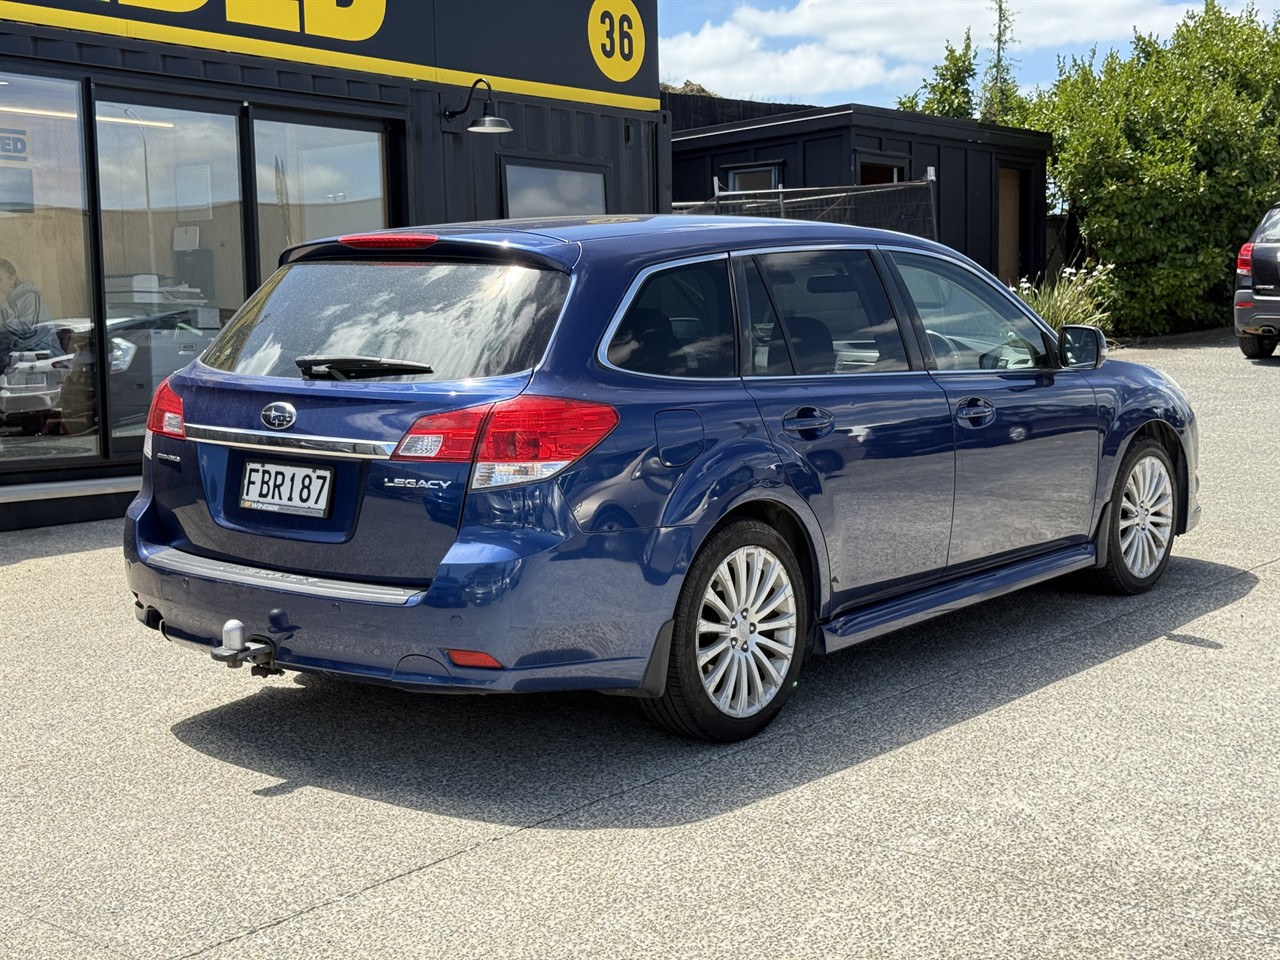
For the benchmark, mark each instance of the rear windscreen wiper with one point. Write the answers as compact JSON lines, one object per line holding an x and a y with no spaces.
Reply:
{"x":357,"y":368}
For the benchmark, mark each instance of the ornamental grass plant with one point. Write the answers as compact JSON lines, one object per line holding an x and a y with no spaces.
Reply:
{"x":1073,"y":296}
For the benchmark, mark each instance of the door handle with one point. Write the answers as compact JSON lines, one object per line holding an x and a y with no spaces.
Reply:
{"x":809,"y":420}
{"x":975,"y":412}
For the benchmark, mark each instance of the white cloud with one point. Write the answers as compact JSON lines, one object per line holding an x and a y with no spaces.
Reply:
{"x":816,"y":47}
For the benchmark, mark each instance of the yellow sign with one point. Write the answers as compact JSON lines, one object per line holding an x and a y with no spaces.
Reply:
{"x":437,"y":41}
{"x":616,"y":34}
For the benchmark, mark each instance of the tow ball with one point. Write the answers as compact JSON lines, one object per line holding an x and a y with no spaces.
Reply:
{"x":238,"y":649}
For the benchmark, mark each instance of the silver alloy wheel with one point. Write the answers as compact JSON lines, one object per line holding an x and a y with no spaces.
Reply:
{"x":1146,"y":517}
{"x":746,"y":631}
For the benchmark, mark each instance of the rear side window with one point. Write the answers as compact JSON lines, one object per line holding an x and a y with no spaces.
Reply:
{"x":463,"y":319}
{"x":680,"y":324}
{"x":823,"y":312}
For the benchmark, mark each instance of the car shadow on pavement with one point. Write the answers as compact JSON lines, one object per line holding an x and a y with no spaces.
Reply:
{"x":19,"y":546}
{"x":578,"y":759}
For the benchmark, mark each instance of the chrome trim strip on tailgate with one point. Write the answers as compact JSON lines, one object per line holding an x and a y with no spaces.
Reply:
{"x":292,"y":443}
{"x":175,"y":561}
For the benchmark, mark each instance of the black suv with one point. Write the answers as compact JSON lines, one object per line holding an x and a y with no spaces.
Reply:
{"x":1257,"y":301}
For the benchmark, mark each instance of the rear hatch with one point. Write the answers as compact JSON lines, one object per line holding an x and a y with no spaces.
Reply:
{"x":330,"y":427}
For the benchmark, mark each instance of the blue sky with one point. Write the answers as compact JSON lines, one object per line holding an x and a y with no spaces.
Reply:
{"x":827,"y":52}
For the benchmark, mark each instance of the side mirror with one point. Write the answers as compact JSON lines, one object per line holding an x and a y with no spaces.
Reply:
{"x":1081,"y":347}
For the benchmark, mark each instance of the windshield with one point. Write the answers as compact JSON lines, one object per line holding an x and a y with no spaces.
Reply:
{"x":461,"y":320}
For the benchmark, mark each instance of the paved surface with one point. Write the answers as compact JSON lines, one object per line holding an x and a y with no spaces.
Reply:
{"x":1051,"y":774}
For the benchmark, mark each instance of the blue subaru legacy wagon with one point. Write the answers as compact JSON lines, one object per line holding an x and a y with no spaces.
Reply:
{"x":669,"y":457}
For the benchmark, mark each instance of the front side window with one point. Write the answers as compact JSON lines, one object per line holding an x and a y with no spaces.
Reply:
{"x":969,"y":323}
{"x":462,"y":320}
{"x":821,"y":312}
{"x":679,"y":324}
{"x":48,"y":391}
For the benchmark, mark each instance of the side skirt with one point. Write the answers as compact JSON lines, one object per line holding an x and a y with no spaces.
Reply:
{"x":868,"y":622}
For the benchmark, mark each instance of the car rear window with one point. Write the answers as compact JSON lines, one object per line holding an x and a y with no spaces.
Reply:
{"x":463,"y":319}
{"x":1269,"y":229}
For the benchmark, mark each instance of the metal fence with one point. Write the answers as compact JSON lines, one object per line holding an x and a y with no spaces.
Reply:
{"x":906,"y":207}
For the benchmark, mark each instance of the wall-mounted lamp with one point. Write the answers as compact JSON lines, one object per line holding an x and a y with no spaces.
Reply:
{"x":488,"y":121}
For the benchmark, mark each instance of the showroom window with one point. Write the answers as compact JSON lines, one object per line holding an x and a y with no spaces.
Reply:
{"x":177,"y":234}
{"x":172,"y":247}
{"x":314,"y":182}
{"x":46,"y":330}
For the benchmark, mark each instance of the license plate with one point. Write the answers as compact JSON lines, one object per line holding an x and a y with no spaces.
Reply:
{"x":285,"y":489}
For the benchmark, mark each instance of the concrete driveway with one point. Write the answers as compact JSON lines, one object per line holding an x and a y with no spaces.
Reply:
{"x":1051,"y":774}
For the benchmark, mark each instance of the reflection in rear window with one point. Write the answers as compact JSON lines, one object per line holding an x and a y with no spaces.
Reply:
{"x":1269,"y":229}
{"x":464,"y":319}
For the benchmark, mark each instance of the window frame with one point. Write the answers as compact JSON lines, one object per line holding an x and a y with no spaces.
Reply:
{"x":733,"y":170}
{"x":628,"y":298}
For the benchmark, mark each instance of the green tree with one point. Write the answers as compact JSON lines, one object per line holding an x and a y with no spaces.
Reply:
{"x":1166,"y":160}
{"x":950,"y":92}
{"x":999,"y":99}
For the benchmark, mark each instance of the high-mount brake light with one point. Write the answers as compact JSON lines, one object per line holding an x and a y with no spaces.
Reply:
{"x":1244,"y":261}
{"x":514,"y":441}
{"x":165,"y":416}
{"x":388,"y":241}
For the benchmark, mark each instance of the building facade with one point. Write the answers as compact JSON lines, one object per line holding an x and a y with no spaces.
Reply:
{"x":989,"y":181}
{"x":157,"y":155}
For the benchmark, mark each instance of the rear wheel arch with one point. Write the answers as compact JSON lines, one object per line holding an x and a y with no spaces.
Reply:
{"x":787,"y":523}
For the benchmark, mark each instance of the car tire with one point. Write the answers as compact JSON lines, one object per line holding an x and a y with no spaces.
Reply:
{"x":1255,"y":347}
{"x":1144,"y":511}
{"x":729,"y":675}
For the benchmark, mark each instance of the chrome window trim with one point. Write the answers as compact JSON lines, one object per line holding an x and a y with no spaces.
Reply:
{"x":259,"y":440}
{"x":602,"y":348}
{"x":172,"y":560}
{"x":861,"y":375}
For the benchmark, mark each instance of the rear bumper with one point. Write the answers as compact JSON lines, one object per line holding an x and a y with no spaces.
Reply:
{"x":578,"y":616}
{"x":1256,"y":316}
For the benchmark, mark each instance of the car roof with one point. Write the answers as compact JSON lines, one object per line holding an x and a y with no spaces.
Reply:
{"x":559,"y":241}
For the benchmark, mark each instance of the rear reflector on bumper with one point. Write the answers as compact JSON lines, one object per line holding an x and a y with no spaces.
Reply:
{"x":473,"y":658}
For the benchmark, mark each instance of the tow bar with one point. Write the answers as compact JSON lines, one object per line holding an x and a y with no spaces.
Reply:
{"x":237,"y":649}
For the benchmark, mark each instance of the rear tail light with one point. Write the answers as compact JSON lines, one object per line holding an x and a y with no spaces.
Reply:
{"x":1244,"y":261}
{"x":520,"y":440}
{"x":443,"y":437}
{"x":165,"y":417}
